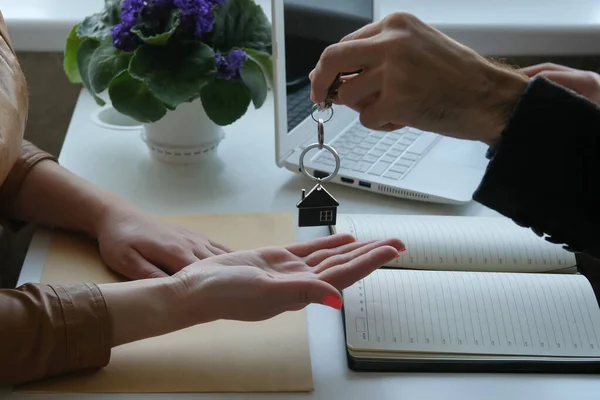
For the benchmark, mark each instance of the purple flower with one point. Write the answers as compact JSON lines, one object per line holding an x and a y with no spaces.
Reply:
{"x":123,"y":38}
{"x":197,"y":14}
{"x":132,"y":11}
{"x":228,"y":67}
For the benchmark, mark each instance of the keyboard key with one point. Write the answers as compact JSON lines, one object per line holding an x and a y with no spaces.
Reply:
{"x":399,"y":168}
{"x":393,"y":175}
{"x":362,"y":166}
{"x":354,"y":156}
{"x":388,"y":142}
{"x":377,"y":153}
{"x":424,"y":142}
{"x":395,"y":136}
{"x":377,"y":135}
{"x":394,"y":153}
{"x":406,"y":141}
{"x":342,"y":151}
{"x":411,"y":156}
{"x":379,"y":168}
{"x":365,"y":145}
{"x":405,"y":162}
{"x":326,"y":162}
{"x":355,"y":139}
{"x":345,"y":163}
{"x":360,"y":150}
{"x":389,"y":158}
{"x":370,"y":158}
{"x":400,"y":147}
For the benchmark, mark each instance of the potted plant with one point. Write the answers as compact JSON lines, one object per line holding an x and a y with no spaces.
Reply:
{"x":182,"y":68}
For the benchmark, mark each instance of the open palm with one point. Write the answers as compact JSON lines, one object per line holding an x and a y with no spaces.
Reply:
{"x":259,"y":284}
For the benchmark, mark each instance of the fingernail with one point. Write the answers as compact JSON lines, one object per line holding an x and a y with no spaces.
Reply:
{"x":333,"y":302}
{"x":400,"y":252}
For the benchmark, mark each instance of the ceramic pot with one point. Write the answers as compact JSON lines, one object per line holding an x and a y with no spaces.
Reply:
{"x":185,"y":135}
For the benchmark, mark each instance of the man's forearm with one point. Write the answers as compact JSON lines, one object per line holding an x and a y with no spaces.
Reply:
{"x":51,"y":195}
{"x":546,"y":168}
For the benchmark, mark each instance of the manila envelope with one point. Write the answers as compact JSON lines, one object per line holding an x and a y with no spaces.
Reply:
{"x":221,"y":356}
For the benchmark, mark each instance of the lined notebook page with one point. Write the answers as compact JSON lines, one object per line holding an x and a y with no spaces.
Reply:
{"x":461,"y":243}
{"x":473,"y":312}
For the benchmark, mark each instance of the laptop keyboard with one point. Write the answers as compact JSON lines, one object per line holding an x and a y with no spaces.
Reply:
{"x":299,"y":106}
{"x":387,"y":154}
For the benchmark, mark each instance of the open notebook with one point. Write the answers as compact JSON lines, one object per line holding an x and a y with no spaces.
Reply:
{"x":472,"y":294}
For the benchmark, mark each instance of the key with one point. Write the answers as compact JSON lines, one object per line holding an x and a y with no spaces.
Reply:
{"x":331,"y":93}
{"x":318,"y":207}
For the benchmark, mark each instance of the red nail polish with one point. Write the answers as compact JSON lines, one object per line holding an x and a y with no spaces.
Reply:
{"x":333,"y":302}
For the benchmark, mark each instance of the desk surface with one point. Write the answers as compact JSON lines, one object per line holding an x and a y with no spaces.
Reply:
{"x":118,"y":161}
{"x":508,"y":27}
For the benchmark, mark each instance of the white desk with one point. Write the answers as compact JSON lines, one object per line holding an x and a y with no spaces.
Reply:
{"x":507,"y":27}
{"x":118,"y":161}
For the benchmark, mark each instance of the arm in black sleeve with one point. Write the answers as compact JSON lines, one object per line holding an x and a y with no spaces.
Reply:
{"x":545,"y":171}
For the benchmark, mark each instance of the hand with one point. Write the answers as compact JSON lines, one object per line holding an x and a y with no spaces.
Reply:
{"x":139,"y":246}
{"x":585,"y":83}
{"x":413,"y":75}
{"x":259,"y":284}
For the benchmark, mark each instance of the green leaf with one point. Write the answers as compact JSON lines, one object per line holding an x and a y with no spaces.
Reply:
{"x":160,"y":39}
{"x":70,"y":56}
{"x":255,"y":81}
{"x":98,"y":25}
{"x":174,"y":73}
{"x":240,"y":23}
{"x":225,"y":101}
{"x":132,"y":97}
{"x":264,"y":61}
{"x":105,"y":63}
{"x":84,"y":56}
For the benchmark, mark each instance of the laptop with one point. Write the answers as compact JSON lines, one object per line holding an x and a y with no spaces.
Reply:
{"x":406,"y":163}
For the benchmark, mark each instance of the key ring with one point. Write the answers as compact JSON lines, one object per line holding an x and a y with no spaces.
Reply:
{"x":321,"y":134}
{"x":316,"y":107}
{"x":321,"y":145}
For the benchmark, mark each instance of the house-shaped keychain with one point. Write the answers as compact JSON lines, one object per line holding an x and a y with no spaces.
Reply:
{"x":317,"y":208}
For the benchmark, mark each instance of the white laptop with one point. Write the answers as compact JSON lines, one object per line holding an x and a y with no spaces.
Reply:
{"x":406,"y":163}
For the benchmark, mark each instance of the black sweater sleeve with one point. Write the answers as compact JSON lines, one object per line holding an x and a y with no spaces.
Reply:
{"x":545,"y":171}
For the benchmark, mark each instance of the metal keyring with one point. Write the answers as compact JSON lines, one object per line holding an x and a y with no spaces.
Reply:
{"x":316,"y":108}
{"x":335,"y":156}
{"x":321,"y":133}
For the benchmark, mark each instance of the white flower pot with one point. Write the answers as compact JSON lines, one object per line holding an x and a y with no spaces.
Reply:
{"x":185,"y":135}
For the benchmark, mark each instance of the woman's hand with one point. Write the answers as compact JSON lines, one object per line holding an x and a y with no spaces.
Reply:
{"x":139,"y":246}
{"x":585,"y":83}
{"x":251,"y":285}
{"x":413,"y":75}
{"x":259,"y":284}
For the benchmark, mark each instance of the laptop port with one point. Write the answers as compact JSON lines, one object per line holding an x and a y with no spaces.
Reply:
{"x":347,"y":180}
{"x":364,"y":184}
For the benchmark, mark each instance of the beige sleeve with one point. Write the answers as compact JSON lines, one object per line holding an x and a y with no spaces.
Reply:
{"x":51,"y":330}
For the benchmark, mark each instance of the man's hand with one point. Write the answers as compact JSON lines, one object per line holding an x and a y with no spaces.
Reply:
{"x":413,"y":75}
{"x":585,"y":83}
{"x":139,"y":246}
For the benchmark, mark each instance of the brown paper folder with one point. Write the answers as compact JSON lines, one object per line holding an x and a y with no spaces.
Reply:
{"x":223,"y":356}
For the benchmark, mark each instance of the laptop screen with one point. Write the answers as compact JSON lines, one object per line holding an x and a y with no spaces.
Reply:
{"x":311,"y":26}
